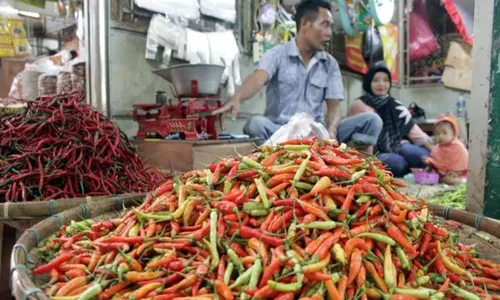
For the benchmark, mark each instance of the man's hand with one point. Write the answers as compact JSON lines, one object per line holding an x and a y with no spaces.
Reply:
{"x":248,"y":89}
{"x":333,"y":134}
{"x":333,"y":116}
{"x":232,"y":105}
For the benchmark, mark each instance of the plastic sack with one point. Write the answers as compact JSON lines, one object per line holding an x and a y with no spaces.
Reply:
{"x":220,"y":9}
{"x":301,"y":125}
{"x":373,"y":47}
{"x":164,"y":32}
{"x":189,"y":9}
{"x":423,"y":43}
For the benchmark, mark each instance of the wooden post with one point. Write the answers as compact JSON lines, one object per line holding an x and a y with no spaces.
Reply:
{"x":483,"y":195}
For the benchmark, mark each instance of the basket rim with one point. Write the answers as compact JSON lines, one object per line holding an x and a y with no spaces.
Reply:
{"x":20,"y":280}
{"x":39,"y":210}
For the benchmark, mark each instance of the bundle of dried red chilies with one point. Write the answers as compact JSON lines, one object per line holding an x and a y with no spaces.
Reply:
{"x":61,"y":147}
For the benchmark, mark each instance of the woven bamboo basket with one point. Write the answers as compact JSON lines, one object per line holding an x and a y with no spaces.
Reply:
{"x":22,"y":285}
{"x":23,"y":215}
{"x":475,"y":229}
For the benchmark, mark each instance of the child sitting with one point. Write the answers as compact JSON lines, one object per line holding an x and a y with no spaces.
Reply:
{"x":449,"y":157}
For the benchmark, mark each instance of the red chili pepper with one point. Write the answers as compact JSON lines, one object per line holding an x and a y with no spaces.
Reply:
{"x":399,"y":237}
{"x":426,"y":239}
{"x":247,"y":232}
{"x":232,"y":196}
{"x":238,"y":249}
{"x":338,"y":161}
{"x":332,"y":172}
{"x":53,"y":263}
{"x":300,"y":141}
{"x":281,"y":221}
{"x":225,"y":206}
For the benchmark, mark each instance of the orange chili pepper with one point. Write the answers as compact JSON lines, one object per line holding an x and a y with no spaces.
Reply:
{"x":354,"y":266}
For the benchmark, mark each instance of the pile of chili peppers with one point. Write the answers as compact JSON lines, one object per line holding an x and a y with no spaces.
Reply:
{"x":303,"y":220}
{"x":61,"y":147}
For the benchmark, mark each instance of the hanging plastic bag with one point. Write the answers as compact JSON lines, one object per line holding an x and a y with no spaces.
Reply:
{"x":301,"y":125}
{"x":373,"y":47}
{"x":423,"y":43}
{"x":389,"y":34}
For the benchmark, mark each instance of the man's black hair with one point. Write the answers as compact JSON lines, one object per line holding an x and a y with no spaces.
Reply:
{"x":309,"y":9}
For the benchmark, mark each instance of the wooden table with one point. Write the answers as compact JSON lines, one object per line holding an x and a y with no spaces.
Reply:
{"x":183,"y":156}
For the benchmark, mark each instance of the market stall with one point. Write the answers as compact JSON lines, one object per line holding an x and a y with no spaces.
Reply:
{"x":120,"y":181}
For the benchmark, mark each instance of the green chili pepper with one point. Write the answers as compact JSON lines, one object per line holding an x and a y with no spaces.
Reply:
{"x":296,"y":147}
{"x":378,"y":237}
{"x":282,"y":194}
{"x":437,"y":278}
{"x":262,"y":193}
{"x":335,"y":211}
{"x":322,"y":225}
{"x":288,"y":164}
{"x":302,"y":169}
{"x":422,"y":280}
{"x":163,"y":217}
{"x":263,"y":175}
{"x":209,"y":176}
{"x":357,"y":175}
{"x":289,"y":287}
{"x":122,"y":269}
{"x":405,"y":263}
{"x":228,"y":272}
{"x":339,"y":254}
{"x":463,"y":293}
{"x":243,"y":278}
{"x":235,"y":259}
{"x":259,"y":212}
{"x":363,"y":199}
{"x":303,"y":185}
{"x":254,"y":278}
{"x":251,"y":163}
{"x":91,"y":292}
{"x":421,"y":293}
{"x":249,"y":206}
{"x":213,"y":239}
{"x":335,"y":277}
{"x":314,"y":289}
{"x":227,"y":187}
{"x":437,"y":296}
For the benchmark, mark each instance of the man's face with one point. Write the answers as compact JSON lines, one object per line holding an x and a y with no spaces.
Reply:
{"x":318,"y":32}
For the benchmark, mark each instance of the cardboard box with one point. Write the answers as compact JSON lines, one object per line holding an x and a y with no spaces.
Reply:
{"x":458,"y":71}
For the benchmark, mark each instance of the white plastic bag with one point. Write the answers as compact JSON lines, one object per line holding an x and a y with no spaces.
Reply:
{"x":189,"y":9}
{"x":301,"y":125}
{"x":163,"y":31}
{"x":220,"y":9}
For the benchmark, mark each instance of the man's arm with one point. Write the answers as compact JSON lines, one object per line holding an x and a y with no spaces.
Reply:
{"x":252,"y":84}
{"x":334,"y":93}
{"x":333,"y":116}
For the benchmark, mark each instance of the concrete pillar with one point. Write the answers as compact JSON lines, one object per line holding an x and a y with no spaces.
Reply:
{"x":97,"y":50}
{"x":483,"y":194}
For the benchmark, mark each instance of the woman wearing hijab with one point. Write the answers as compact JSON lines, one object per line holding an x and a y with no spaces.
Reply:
{"x":401,"y":144}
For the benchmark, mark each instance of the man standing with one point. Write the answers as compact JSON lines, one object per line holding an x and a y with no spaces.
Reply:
{"x":300,"y":75}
